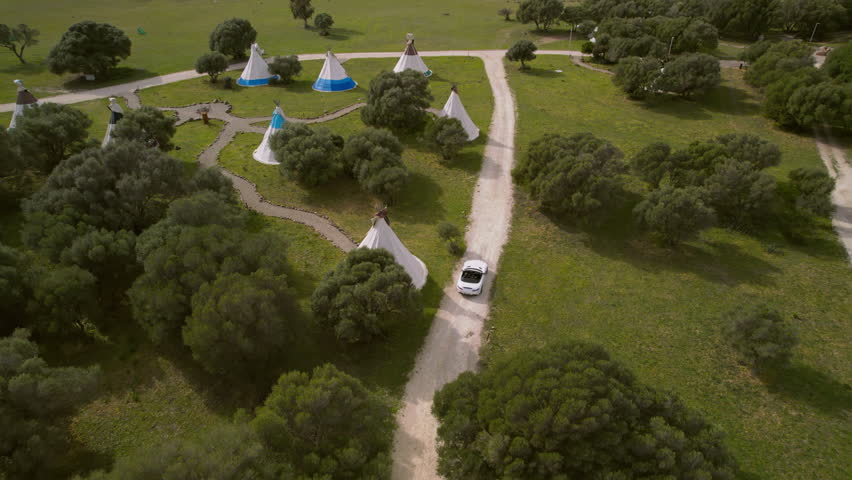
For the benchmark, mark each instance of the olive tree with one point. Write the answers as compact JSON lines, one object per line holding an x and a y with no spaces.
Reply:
{"x":323,"y":22}
{"x":49,"y":133}
{"x":212,"y":63}
{"x":89,"y":47}
{"x":446,"y":135}
{"x":761,"y":336}
{"x":374,"y":158}
{"x":674,"y":214}
{"x":543,"y":13}
{"x":302,"y":9}
{"x":18,"y":38}
{"x":397,"y":101}
{"x":233,"y":37}
{"x":286,"y":68}
{"x":637,"y":76}
{"x":522,"y":51}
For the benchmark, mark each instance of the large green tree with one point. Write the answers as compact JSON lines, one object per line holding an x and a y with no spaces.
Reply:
{"x":240,"y":322}
{"x":522,"y":51}
{"x":373,"y":156}
{"x":543,"y":13}
{"x":49,"y":133}
{"x":232,"y":37}
{"x":812,"y":188}
{"x":308,"y":156}
{"x":779,"y":60}
{"x":211,"y":63}
{"x":365,"y":295}
{"x":838,"y":64}
{"x":327,"y":425}
{"x":397,"y":101}
{"x":802,"y":16}
{"x":34,"y":399}
{"x":64,"y":300}
{"x":569,"y":411}
{"x":637,"y":76}
{"x":148,"y":125}
{"x":690,"y":73}
{"x":89,"y":47}
{"x":446,"y":135}
{"x":579,"y":176}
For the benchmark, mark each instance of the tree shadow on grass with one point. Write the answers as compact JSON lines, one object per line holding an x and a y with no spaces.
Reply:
{"x":540,"y":72}
{"x":806,"y":384}
{"x":115,"y":76}
{"x":340,"y":34}
{"x":722,"y":99}
{"x":419,"y":200}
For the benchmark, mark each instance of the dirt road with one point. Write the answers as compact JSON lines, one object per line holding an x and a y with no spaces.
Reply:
{"x":838,"y":167}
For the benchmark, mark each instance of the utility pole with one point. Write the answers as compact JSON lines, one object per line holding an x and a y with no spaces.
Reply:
{"x":670,"y":47}
{"x":812,"y":33}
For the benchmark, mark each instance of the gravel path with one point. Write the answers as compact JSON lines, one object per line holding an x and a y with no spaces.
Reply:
{"x":452,"y":345}
{"x":838,"y":167}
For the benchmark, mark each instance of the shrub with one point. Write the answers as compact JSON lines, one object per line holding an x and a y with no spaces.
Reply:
{"x":310,"y":157}
{"x":456,"y":247}
{"x":364,"y":296}
{"x":212,"y":63}
{"x":227,"y":83}
{"x":813,"y":189}
{"x":286,"y":68}
{"x":506,"y":13}
{"x":761,"y":336}
{"x":447,"y":230}
{"x":587,"y":47}
{"x":323,"y":22}
{"x":446,"y":135}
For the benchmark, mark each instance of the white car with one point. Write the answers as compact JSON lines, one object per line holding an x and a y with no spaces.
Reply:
{"x":472,"y":277}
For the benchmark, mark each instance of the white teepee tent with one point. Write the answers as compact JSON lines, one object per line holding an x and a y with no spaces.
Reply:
{"x":116,"y":112}
{"x":333,"y":77}
{"x":381,"y":236}
{"x":263,"y":153}
{"x":25,"y":100}
{"x":256,"y":71}
{"x":410,"y":60}
{"x":454,"y":109}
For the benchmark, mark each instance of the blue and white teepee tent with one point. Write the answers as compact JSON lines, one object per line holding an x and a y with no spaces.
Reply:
{"x":257,"y":71}
{"x":116,"y":113}
{"x":410,"y":59}
{"x":25,"y":100}
{"x":263,"y":153}
{"x":333,"y":77}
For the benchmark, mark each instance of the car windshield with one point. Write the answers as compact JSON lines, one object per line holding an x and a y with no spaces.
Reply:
{"x":471,"y":276}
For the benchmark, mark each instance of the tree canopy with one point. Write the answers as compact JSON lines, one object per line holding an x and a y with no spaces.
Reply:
{"x":49,"y":133}
{"x":323,"y":22}
{"x":233,"y":37}
{"x":374,"y":158}
{"x":365,"y":295}
{"x":34,"y":397}
{"x":543,"y":13}
{"x":302,"y":9}
{"x":569,"y":411}
{"x":838,"y":64}
{"x":446,"y":135}
{"x":327,"y":425}
{"x":308,"y":156}
{"x":578,"y":175}
{"x":761,"y":336}
{"x":148,"y":125}
{"x":690,"y":73}
{"x":397,"y":101}
{"x":89,"y":47}
{"x":285,"y":67}
{"x":674,"y":214}
{"x":239,"y":322}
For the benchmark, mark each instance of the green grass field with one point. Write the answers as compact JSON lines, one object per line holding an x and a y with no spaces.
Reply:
{"x":177,"y":32}
{"x":658,"y":310}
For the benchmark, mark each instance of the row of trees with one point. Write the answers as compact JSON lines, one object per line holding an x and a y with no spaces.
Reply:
{"x":687,"y":74}
{"x":718,"y":180}
{"x":798,"y":95}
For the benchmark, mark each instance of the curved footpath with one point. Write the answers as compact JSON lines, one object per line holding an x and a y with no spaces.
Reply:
{"x":452,"y":345}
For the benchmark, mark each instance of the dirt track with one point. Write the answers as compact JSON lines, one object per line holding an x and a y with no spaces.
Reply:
{"x":838,"y":167}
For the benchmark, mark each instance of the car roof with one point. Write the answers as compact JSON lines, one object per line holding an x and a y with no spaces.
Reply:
{"x":477,"y":265}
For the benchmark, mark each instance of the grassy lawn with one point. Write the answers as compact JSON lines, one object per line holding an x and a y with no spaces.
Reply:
{"x":177,"y":32}
{"x":659,"y":310}
{"x":192,"y":138}
{"x":435,"y":193}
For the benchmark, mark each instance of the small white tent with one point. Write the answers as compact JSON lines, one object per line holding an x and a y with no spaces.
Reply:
{"x":381,"y":236}
{"x":454,"y":109}
{"x":116,"y":112}
{"x":263,"y":153}
{"x":410,"y":59}
{"x":333,"y":77}
{"x":25,"y":100}
{"x":257,"y":71}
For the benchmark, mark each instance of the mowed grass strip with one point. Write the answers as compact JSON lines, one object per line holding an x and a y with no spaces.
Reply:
{"x":660,"y":311}
{"x":177,"y":33}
